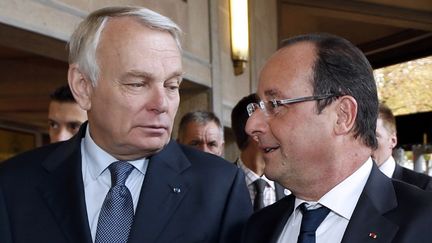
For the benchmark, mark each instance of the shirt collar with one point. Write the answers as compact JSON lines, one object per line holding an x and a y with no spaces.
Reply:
{"x":388,"y":167}
{"x":343,"y":198}
{"x":251,"y":176}
{"x":99,"y":160}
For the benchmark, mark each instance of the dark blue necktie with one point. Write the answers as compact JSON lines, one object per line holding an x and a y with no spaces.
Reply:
{"x":116,"y":216}
{"x":310,"y":222}
{"x":260,"y":185}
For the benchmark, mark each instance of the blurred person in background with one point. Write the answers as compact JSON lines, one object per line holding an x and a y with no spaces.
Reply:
{"x":203,"y":131}
{"x":387,"y":140}
{"x":65,"y":116}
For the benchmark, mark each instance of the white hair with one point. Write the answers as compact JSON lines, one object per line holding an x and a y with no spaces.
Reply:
{"x":85,"y":39}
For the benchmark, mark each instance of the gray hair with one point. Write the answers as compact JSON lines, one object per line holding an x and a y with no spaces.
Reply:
{"x":85,"y":39}
{"x":200,"y":117}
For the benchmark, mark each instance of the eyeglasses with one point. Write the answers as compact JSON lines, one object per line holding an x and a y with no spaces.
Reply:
{"x":270,"y":106}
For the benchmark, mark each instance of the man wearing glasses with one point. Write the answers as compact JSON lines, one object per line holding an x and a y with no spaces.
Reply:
{"x":315,"y":125}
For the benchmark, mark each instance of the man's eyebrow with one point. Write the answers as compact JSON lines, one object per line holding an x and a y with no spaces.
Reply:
{"x":74,"y":122}
{"x":177,"y":74}
{"x":136,"y":73}
{"x":271,"y":92}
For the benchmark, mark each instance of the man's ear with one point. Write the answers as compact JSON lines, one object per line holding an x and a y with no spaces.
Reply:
{"x":393,"y":140}
{"x":80,"y":86}
{"x":346,"y":111}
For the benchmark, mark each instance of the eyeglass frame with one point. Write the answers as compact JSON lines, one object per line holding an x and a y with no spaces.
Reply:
{"x":276,"y":103}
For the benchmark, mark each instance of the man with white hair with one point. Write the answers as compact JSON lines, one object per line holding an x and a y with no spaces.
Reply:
{"x":121,"y":179}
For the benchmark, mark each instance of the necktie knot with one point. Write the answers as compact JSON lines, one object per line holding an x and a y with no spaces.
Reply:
{"x":312,"y":218}
{"x":310,"y":222}
{"x":260,"y":185}
{"x":120,"y":171}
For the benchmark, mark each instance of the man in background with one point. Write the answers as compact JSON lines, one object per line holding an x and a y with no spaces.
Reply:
{"x":65,"y":116}
{"x":387,"y":140}
{"x":262,"y":191}
{"x":203,"y":131}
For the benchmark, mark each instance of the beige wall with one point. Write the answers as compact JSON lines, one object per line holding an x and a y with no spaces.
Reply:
{"x":263,"y":42}
{"x":206,"y":41}
{"x":58,"y":19}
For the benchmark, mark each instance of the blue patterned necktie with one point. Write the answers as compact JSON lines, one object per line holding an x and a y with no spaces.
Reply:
{"x":116,"y":216}
{"x":310,"y":222}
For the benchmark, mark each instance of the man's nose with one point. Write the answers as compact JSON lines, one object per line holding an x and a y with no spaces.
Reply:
{"x":158,"y":101}
{"x":62,"y":135}
{"x":256,"y":124}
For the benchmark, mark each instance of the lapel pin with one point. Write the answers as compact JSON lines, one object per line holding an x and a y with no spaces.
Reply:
{"x":176,"y":189}
{"x":373,"y":235}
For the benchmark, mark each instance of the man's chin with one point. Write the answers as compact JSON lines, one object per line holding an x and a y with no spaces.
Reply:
{"x":144,"y":148}
{"x":154,"y":147}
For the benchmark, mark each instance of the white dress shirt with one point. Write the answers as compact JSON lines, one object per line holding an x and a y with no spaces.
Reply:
{"x":388,"y":167}
{"x":341,"y":200}
{"x":250,"y":177}
{"x":97,"y":178}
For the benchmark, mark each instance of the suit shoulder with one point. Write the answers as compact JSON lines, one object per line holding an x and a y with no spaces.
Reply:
{"x":210,"y":161}
{"x":415,"y":178}
{"x":27,"y":159}
{"x":412,"y":194}
{"x":413,"y":212}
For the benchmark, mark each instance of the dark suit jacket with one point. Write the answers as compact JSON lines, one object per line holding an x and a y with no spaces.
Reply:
{"x":42,"y":197}
{"x":414,"y":178}
{"x":395,"y":211}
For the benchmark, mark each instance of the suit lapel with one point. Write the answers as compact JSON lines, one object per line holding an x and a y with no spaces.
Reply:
{"x":288,"y":208}
{"x":367,"y":220}
{"x":163,"y":189}
{"x":397,"y":174}
{"x":63,"y":191}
